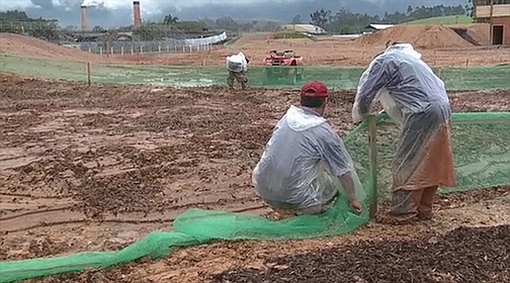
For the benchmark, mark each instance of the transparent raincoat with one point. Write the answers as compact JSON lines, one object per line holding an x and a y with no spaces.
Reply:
{"x":237,"y":63}
{"x":416,"y":99}
{"x":301,"y":163}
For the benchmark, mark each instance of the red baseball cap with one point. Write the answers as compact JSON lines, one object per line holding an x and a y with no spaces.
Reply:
{"x":315,"y":89}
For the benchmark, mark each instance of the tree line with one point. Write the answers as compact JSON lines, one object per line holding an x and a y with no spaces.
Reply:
{"x":345,"y":21}
{"x":342,"y":21}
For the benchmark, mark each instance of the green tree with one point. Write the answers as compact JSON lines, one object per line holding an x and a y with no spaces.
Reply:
{"x":296,"y":20}
{"x":227,"y":23}
{"x":170,"y":20}
{"x":409,"y":9}
{"x":98,"y":28}
{"x":46,"y":30}
{"x":320,"y":17}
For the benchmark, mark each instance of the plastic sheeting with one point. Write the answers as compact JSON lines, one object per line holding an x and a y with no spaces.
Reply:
{"x":416,"y":99}
{"x":302,"y":163}
{"x":170,"y":45}
{"x":206,"y":40}
{"x":237,"y":63}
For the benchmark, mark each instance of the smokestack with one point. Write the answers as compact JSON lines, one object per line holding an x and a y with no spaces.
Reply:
{"x":137,"y":14}
{"x":84,"y":21}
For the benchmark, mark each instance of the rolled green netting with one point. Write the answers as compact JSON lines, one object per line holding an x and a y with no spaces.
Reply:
{"x":481,"y":144}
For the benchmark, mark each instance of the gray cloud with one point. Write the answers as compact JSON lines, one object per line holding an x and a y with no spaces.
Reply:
{"x":45,"y":4}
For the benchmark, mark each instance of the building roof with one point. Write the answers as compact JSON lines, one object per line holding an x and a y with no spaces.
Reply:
{"x":304,"y":28}
{"x":379,"y":26}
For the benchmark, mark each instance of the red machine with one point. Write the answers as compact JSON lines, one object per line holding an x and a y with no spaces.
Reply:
{"x":285,"y":65}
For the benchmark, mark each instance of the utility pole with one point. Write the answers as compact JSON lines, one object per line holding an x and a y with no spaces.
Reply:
{"x":491,"y":32}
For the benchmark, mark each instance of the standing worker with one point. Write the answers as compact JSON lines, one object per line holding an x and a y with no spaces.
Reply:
{"x":416,"y":99}
{"x":237,"y":66}
{"x":305,"y":165}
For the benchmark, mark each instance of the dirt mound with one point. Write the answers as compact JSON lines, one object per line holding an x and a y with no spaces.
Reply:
{"x":478,"y":32}
{"x":426,"y":36}
{"x":15,"y":44}
{"x":464,"y":255}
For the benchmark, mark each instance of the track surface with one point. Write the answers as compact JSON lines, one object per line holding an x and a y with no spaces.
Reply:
{"x":96,"y":168}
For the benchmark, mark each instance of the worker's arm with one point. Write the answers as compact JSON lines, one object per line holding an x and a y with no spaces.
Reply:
{"x":337,"y":158}
{"x":379,"y":74}
{"x":348,"y":185}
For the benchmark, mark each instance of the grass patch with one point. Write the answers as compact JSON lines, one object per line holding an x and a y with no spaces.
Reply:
{"x":289,"y":35}
{"x":447,"y":20}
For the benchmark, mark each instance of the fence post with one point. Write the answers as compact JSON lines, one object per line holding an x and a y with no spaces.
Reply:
{"x":132,"y":50}
{"x":167,"y":48}
{"x":372,"y":141}
{"x":89,"y":81}
{"x":111,"y":50}
{"x":101,"y":51}
{"x":122,"y":50}
{"x":159,"y":48}
{"x":190,"y":49}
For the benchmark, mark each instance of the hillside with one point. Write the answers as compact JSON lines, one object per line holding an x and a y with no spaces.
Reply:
{"x":19,"y":45}
{"x":448,"y":20}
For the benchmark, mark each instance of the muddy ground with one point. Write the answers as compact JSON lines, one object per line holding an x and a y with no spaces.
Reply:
{"x":463,"y":255}
{"x":337,"y":52}
{"x":97,"y":168}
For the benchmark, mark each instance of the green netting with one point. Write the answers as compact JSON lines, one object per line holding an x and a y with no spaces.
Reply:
{"x":482,"y":159}
{"x":480,"y":78}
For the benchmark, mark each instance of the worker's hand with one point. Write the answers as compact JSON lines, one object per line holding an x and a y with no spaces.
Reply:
{"x":358,"y":209}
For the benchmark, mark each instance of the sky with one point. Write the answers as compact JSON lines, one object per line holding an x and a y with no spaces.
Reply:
{"x":114,"y":13}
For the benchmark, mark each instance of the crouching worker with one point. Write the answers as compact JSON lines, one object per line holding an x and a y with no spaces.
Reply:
{"x":237,"y":66}
{"x":305,"y":165}
{"x":416,"y":99}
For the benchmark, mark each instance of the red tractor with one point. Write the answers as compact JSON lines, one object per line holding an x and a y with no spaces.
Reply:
{"x":286,"y":65}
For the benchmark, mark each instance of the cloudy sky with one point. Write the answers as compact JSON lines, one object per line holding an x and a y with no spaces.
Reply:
{"x":111,"y":13}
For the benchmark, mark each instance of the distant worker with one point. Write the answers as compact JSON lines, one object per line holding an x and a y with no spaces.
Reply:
{"x":416,"y":99}
{"x":237,"y":66}
{"x":305,"y":165}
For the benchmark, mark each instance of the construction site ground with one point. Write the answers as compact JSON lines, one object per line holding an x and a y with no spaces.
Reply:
{"x":96,"y":168}
{"x":440,"y":47}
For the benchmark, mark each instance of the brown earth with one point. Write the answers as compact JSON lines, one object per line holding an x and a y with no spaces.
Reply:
{"x":96,"y":168}
{"x":20,"y":45}
{"x":343,"y":52}
{"x":463,"y":255}
{"x":427,"y":36}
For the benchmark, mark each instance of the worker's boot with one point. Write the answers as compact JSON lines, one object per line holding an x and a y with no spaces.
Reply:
{"x":427,"y":200}
{"x":404,"y":208}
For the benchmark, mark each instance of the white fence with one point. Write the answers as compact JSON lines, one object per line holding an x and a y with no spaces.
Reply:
{"x":141,"y":47}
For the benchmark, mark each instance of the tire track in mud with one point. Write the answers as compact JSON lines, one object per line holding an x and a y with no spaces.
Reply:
{"x":64,"y":216}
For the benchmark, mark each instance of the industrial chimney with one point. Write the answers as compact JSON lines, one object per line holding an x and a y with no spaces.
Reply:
{"x":84,"y":21}
{"x":137,"y":14}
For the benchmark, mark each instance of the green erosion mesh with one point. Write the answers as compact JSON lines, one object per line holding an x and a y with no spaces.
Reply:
{"x":480,"y":141}
{"x":479,"y":78}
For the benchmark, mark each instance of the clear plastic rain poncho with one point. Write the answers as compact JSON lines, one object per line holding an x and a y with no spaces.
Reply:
{"x":416,"y":99}
{"x":237,"y":63}
{"x":302,"y":161}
